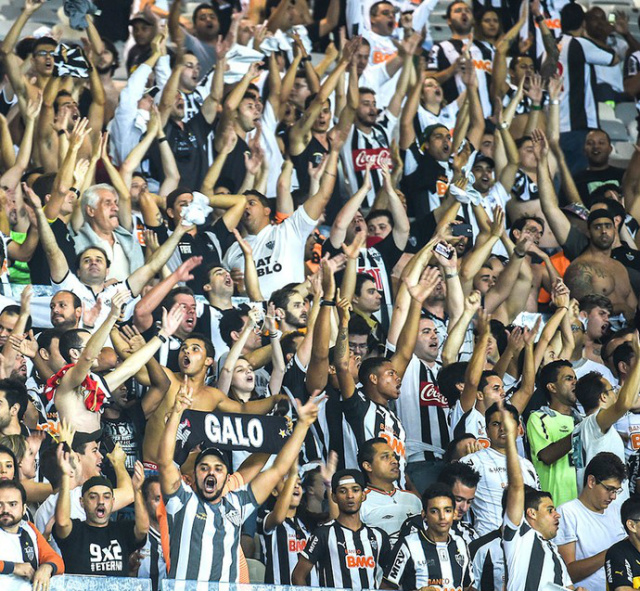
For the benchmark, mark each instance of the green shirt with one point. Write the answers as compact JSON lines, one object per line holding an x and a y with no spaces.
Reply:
{"x":545,"y":427}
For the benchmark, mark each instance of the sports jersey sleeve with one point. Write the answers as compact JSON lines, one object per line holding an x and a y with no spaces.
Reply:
{"x":595,"y":54}
{"x":247,"y":500}
{"x":384,"y":558}
{"x":316,"y":546}
{"x":632,"y":65}
{"x":401,"y":570}
{"x":175,"y":501}
{"x":618,"y":569}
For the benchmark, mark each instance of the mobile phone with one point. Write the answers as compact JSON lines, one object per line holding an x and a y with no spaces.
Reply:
{"x":444,"y":250}
{"x":109,"y":444}
{"x":464,"y":230}
{"x":612,"y":17}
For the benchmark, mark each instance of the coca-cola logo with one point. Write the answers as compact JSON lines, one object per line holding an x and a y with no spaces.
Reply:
{"x":430,"y":395}
{"x":375,"y":156}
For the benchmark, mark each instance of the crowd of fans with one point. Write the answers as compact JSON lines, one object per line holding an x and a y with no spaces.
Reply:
{"x":369,"y":319}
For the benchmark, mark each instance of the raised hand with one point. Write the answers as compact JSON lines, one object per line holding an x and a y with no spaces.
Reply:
{"x":25,"y":345}
{"x":509,"y":424}
{"x":484,"y":323}
{"x":133,"y":338}
{"x":555,"y":87}
{"x":328,"y":279}
{"x":245,"y":247}
{"x":308,"y":412}
{"x":497,"y":224}
{"x":344,"y":309}
{"x":184,"y":398}
{"x":90,"y":315}
{"x":183,"y":272}
{"x":66,"y":433}
{"x":117,"y":456}
{"x":172,"y":319}
{"x":560,"y":294}
{"x":447,"y":263}
{"x":473,"y":301}
{"x":80,"y":171}
{"x":25,"y":300}
{"x":33,"y":108}
{"x":138,"y":476}
{"x":329,"y":469}
{"x":64,"y":461}
{"x":118,"y":301}
{"x":352,"y":251}
{"x":425,"y":286}
{"x":529,"y":334}
{"x":79,"y":132}
{"x":534,"y":91}
{"x":515,"y":340}
{"x":269,"y":318}
{"x":540,"y":144}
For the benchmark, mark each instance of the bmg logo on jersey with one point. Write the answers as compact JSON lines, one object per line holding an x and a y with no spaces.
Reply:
{"x":106,"y":559}
{"x":354,"y":561}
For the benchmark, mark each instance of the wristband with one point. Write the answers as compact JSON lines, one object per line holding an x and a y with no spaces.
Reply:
{"x":451,"y":275}
{"x":276,"y":334}
{"x":306,"y":59}
{"x":504,"y":125}
{"x":61,"y":132}
{"x":554,"y":102}
{"x":329,"y":303}
{"x":538,"y":18}
{"x":74,"y":190}
{"x":163,"y":139}
{"x":162,"y":337}
{"x":536,"y":107}
{"x":521,"y":256}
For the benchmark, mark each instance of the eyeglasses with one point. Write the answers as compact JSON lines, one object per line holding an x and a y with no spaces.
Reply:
{"x":612,"y":490}
{"x":44,"y":53}
{"x":359,"y":346}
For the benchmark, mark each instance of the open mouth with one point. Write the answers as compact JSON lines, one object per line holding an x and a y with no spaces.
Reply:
{"x":209,"y":485}
{"x":101,"y":512}
{"x":186,"y":362}
{"x":190,"y":322}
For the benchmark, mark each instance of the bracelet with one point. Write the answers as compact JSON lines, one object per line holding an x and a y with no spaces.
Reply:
{"x":504,"y":125}
{"x":538,"y":18}
{"x":554,"y":102}
{"x":521,"y":256}
{"x":329,"y":303}
{"x":276,"y":334}
{"x":163,"y":139}
{"x":536,"y":107}
{"x":561,"y":307}
{"x":162,"y":337}
{"x":74,"y":190}
{"x":451,"y":275}
{"x":61,"y":132}
{"x":307,"y":58}
{"x":87,"y":326}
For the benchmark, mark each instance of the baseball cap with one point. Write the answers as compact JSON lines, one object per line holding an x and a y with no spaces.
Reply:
{"x":482,"y":158}
{"x":343,"y":477}
{"x":96,"y":481}
{"x":142,"y":16}
{"x":599,"y":214}
{"x":213,"y":451}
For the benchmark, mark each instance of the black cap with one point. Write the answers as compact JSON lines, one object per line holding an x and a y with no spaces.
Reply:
{"x":482,"y":158}
{"x":213,"y":451}
{"x":96,"y":481}
{"x":598,"y":214}
{"x":427,"y":132}
{"x":352,"y":476}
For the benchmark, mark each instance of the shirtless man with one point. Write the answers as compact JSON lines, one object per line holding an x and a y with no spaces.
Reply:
{"x":79,"y":394}
{"x":595,"y":272}
{"x":42,"y":59}
{"x":195,"y":359}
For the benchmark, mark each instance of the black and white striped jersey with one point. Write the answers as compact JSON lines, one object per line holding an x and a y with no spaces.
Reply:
{"x":578,"y":105}
{"x":423,"y":410}
{"x":348,"y":559}
{"x":153,"y":565}
{"x":281,"y":547}
{"x":487,"y":562}
{"x":369,"y":419}
{"x":361,"y":148}
{"x":445,"y":53}
{"x":532,"y":562}
{"x":465,"y":531}
{"x":205,"y":537}
{"x":418,"y":562}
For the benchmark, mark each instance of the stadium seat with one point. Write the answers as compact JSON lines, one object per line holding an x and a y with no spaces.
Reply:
{"x":626,"y":112}
{"x":606,"y":112}
{"x":256,"y":571}
{"x":616,"y":129}
{"x":624,"y":150}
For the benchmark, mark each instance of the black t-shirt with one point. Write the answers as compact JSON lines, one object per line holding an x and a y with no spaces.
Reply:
{"x":313,"y":153}
{"x":622,"y":565}
{"x":430,"y":177}
{"x":39,"y":266}
{"x":128,"y":431}
{"x":101,"y":551}
{"x":234,"y":168}
{"x":587,"y":181}
{"x":210,"y":242}
{"x":190,"y":145}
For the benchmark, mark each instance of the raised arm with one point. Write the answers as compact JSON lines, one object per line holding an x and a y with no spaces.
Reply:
{"x":558,"y":222}
{"x":226,"y":373}
{"x":349,"y":210}
{"x":315,"y":205}
{"x":283,"y":500}
{"x":407,"y":131}
{"x":476,"y":363}
{"x":457,"y":332}
{"x":515,"y":491}
{"x":141,"y":527}
{"x":251,"y":281}
{"x":63,"y":524}
{"x":341,"y":352}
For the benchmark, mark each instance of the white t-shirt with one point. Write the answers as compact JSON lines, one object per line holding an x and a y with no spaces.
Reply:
{"x":592,"y":532}
{"x":588,"y":440}
{"x":585,"y":366}
{"x":487,"y":504}
{"x":48,"y":508}
{"x":278,"y":251}
{"x":389,"y":511}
